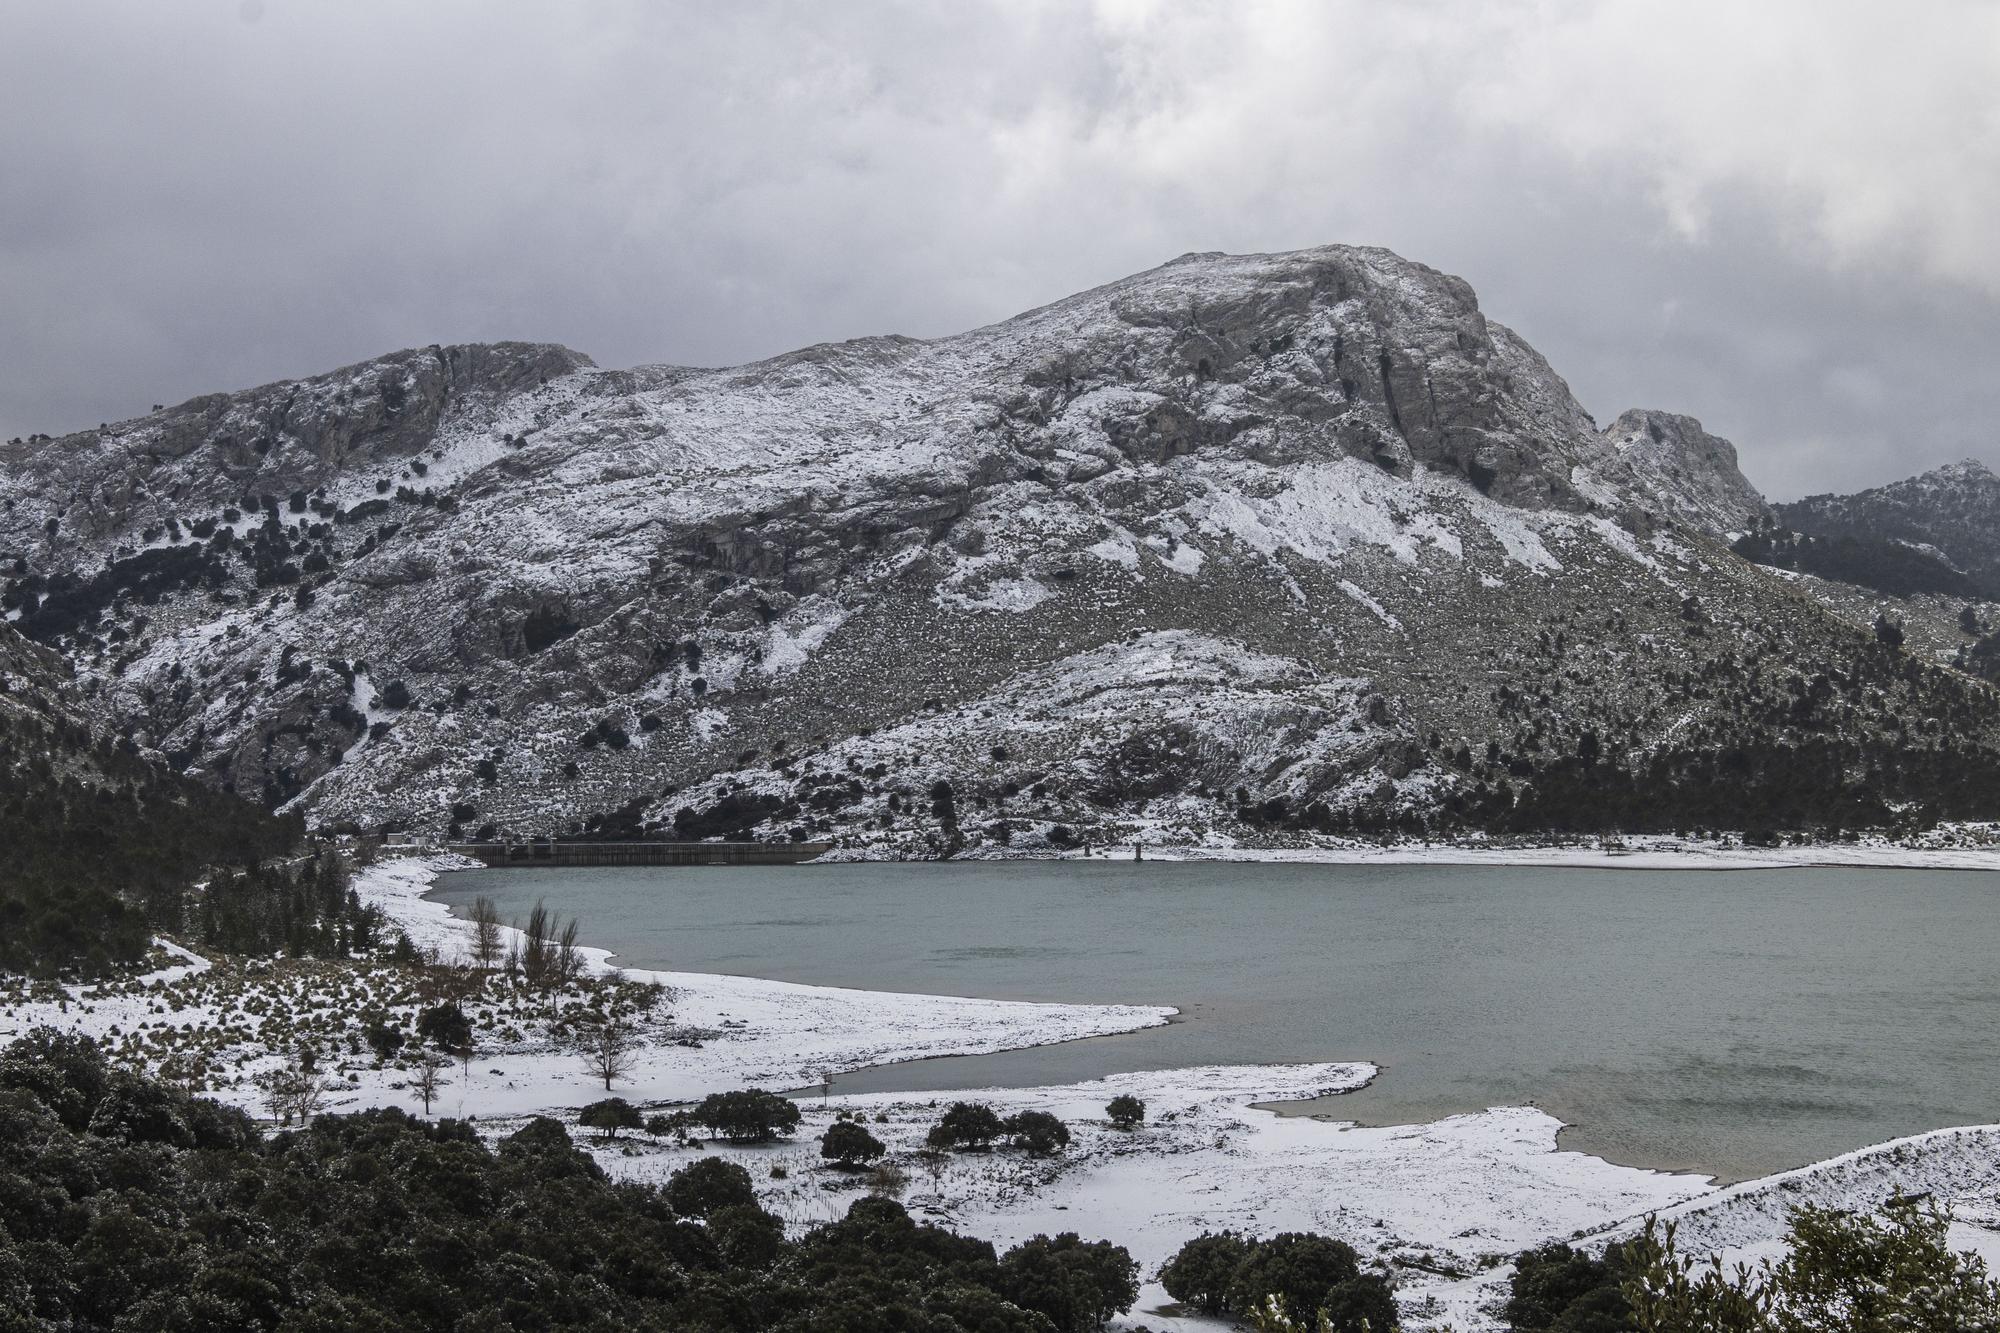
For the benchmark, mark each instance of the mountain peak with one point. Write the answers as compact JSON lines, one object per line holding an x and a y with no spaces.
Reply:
{"x":1965,"y":469}
{"x":1693,"y":473}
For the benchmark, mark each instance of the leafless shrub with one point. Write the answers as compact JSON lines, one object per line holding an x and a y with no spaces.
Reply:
{"x":887,"y":1180}
{"x":608,"y":1047}
{"x":485,"y":931}
{"x":294,"y":1091}
{"x":429,"y":1076}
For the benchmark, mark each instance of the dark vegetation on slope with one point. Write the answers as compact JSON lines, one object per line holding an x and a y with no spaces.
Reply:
{"x":1954,"y":509}
{"x":1871,"y":743}
{"x":91,"y":867}
{"x":127,"y":1204}
{"x":101,"y":848}
{"x":295,"y":545}
{"x":1874,"y":742}
{"x":1887,"y":566}
{"x":1981,"y":656}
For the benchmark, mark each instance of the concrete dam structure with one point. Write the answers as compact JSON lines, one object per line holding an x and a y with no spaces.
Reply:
{"x":503,"y":854}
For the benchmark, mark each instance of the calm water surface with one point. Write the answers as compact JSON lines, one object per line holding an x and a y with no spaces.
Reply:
{"x":1737,"y":1022}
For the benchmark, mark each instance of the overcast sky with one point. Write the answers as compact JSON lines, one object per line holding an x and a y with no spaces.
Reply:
{"x":1782,"y":217}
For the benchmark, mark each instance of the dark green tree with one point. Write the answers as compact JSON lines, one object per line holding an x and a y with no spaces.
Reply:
{"x":1298,"y":1268}
{"x":1125,"y":1110}
{"x":1202,"y":1273}
{"x":702,"y":1186}
{"x":1075,"y":1284}
{"x":446,"y":1027}
{"x":611,"y":1115}
{"x":1037,"y":1133}
{"x":751,"y":1115}
{"x":971,"y":1126}
{"x":849,"y":1145}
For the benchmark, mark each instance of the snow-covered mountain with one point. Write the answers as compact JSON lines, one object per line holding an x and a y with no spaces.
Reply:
{"x":1242,"y":546}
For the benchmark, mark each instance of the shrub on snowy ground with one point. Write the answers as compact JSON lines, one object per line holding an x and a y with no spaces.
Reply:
{"x":752,"y":1115}
{"x":446,"y":1027}
{"x":611,"y":1115}
{"x":384,"y":1038}
{"x":1074,"y":1284}
{"x":1843,"y":1273}
{"x":887,"y":1180}
{"x":1555,"y":1286}
{"x":966,"y":1125}
{"x":1125,"y":1110}
{"x":1038,"y":1133}
{"x":1365,"y":1304}
{"x":701,"y":1187}
{"x":1299,"y":1268}
{"x":848,"y":1145}
{"x":1203,"y":1273}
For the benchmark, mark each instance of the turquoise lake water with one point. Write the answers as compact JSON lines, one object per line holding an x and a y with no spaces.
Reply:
{"x":1736,"y":1022}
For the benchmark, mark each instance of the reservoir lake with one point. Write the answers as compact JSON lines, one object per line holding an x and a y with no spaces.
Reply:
{"x":1733,"y":1022}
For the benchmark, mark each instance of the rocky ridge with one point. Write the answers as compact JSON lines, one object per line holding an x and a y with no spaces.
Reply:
{"x":1243,"y":547}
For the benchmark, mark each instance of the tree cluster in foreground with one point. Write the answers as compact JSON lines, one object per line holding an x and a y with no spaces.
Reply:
{"x":1297,"y":1279}
{"x":125,"y":1204}
{"x":1842,"y":1272}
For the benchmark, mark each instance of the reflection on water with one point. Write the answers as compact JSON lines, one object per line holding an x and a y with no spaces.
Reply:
{"x":1737,"y":1022}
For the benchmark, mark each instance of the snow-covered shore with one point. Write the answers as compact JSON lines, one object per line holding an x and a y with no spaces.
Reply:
{"x":759,"y":1033}
{"x":1960,"y":847}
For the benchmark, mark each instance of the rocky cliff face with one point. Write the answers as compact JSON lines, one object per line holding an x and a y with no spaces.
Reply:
{"x":1183,"y":556}
{"x":1692,"y":473}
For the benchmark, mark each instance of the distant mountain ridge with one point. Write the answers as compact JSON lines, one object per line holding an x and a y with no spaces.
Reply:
{"x":1951,"y":514}
{"x":1264,"y":547}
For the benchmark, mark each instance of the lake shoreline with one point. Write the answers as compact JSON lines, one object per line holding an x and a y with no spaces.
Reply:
{"x":1474,"y":985}
{"x":1633,"y":853}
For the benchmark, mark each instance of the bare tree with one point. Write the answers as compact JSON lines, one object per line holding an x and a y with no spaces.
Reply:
{"x":550,"y":958}
{"x":293,"y":1091}
{"x":430,"y":1076}
{"x":608,"y":1046}
{"x":535,"y":951}
{"x":485,"y":931}
{"x":568,"y":958}
{"x":887,"y":1180}
{"x":934,"y":1162}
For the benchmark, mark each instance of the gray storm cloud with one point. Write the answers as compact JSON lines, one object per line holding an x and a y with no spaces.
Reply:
{"x":1776,"y":217}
